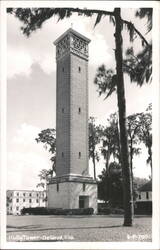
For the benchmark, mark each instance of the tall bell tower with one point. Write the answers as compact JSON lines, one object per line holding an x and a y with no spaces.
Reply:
{"x":72,"y":187}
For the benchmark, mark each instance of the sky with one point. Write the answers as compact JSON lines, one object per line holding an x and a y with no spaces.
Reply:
{"x":31,"y":90}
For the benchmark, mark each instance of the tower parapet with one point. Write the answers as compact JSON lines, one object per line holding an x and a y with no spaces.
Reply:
{"x":72,"y":42}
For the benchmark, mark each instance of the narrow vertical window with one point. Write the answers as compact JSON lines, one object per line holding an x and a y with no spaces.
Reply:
{"x":79,"y":69}
{"x":147,"y":195}
{"x":79,"y":110}
{"x":57,"y":187}
{"x":63,"y":69}
{"x":84,"y":187}
{"x":139,"y":197}
{"x":79,"y":155}
{"x":62,"y":110}
{"x":62,"y":154}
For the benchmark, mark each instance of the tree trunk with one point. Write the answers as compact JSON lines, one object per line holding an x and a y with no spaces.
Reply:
{"x":150,"y":157}
{"x":94,"y":166}
{"x":127,"y":182}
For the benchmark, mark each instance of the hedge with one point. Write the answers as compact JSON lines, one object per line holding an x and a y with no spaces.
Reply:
{"x":56,"y":211}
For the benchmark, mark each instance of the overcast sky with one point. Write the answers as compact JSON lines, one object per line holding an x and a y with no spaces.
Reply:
{"x":31,"y":89}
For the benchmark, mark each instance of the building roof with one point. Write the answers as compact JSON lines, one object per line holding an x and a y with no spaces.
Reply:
{"x":73,"y":32}
{"x":24,"y":190}
{"x":146,"y":187}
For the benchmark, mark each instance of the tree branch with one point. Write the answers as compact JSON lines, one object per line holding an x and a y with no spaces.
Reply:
{"x":129,"y":24}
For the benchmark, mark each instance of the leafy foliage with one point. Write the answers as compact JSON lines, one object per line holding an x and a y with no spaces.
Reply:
{"x":48,"y":138}
{"x":33,"y":18}
{"x":110,"y":140}
{"x":146,"y":12}
{"x":110,"y":187}
{"x":146,"y":132}
{"x":94,"y":140}
{"x":44,"y":176}
{"x":139,"y":67}
{"x":105,"y":80}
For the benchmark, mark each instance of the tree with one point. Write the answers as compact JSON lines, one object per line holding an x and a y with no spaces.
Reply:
{"x":44,"y":176}
{"x":34,"y":18}
{"x":110,"y":140}
{"x":94,"y":140}
{"x":133,"y":130}
{"x":146,"y":132}
{"x":48,"y":138}
{"x":110,"y":185}
{"x":139,"y":67}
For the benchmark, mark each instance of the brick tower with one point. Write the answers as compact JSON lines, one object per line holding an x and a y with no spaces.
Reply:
{"x":72,"y":187}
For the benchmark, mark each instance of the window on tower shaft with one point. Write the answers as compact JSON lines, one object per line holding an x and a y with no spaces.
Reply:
{"x":79,"y":69}
{"x":79,"y":110}
{"x":79,"y":155}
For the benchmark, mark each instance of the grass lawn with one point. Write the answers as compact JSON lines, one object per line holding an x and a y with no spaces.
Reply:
{"x":77,"y":228}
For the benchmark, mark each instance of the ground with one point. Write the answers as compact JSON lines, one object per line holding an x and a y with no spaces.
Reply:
{"x":77,"y":228}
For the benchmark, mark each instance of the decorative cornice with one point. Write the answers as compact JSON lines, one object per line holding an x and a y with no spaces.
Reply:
{"x":72,"y":42}
{"x":72,"y":178}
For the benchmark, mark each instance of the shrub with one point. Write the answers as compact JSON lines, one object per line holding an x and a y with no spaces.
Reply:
{"x":118,"y":211}
{"x":56,"y":211}
{"x":104,"y":210}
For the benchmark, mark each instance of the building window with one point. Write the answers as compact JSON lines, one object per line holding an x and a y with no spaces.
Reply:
{"x":62,"y":154}
{"x":37,"y":200}
{"x":17,"y":200}
{"x":30,"y":194}
{"x":62,"y":110}
{"x":79,"y":69}
{"x":147,"y":195}
{"x":84,"y":187}
{"x":24,"y":200}
{"x":79,"y":155}
{"x":79,"y":110}
{"x":17,"y":194}
{"x":10,"y":208}
{"x":63,"y":69}
{"x":24,"y":194}
{"x":139,"y":197}
{"x":17,"y":208}
{"x":30,"y":200}
{"x":57,"y":187}
{"x":37,"y":195}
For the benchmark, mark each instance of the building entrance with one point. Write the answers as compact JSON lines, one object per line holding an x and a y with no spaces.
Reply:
{"x":83,"y":201}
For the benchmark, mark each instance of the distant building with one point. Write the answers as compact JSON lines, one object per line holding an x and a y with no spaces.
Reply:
{"x":144,"y":199}
{"x":19,"y":199}
{"x":145,"y":192}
